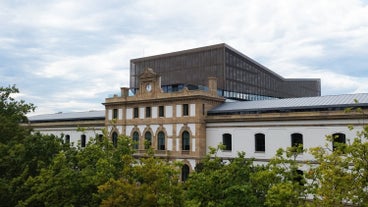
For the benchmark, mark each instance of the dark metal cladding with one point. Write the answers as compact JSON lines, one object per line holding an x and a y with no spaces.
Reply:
{"x":239,"y":77}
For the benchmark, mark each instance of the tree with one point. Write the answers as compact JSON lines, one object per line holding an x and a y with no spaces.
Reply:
{"x":148,"y":181}
{"x":221,"y":182}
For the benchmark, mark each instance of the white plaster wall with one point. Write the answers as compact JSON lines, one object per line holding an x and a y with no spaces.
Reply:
{"x":129,"y":113}
{"x":75,"y":136}
{"x":169,"y":144}
{"x":109,"y":114}
{"x":178,"y":110}
{"x":154,"y":112}
{"x":169,"y":111}
{"x":129,"y":129}
{"x":276,"y":136}
{"x":192,"y":110}
{"x":169,"y":129}
{"x":141,"y":111}
{"x":120,"y":114}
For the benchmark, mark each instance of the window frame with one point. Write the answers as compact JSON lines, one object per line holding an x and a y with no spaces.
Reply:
{"x":115,"y":114}
{"x":147,"y":140}
{"x":161,"y":141}
{"x":297,"y":139}
{"x":185,"y":141}
{"x":260,"y":147}
{"x":135,"y":138}
{"x":227,"y":141}
{"x":161,"y":111}
{"x":83,"y":140}
{"x":148,"y":112}
{"x":185,"y":110}
{"x":135,"y":112}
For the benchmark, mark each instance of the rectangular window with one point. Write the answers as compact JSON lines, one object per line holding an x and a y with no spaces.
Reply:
{"x":115,"y":114}
{"x":161,"y":111}
{"x":226,"y":141}
{"x":185,"y":109}
{"x":148,"y":112}
{"x":135,"y":113}
{"x":260,"y":143}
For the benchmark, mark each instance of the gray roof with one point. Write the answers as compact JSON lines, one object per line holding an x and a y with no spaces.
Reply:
{"x":87,"y":115}
{"x":290,"y":104}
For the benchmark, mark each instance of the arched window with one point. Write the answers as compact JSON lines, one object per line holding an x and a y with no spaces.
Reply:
{"x":296,"y":140}
{"x":148,"y":140}
{"x":184,"y":172}
{"x":67,"y":139}
{"x":260,"y":142}
{"x":338,"y":138}
{"x":115,"y":139}
{"x":135,"y":140}
{"x":185,"y":141}
{"x":83,"y":140}
{"x":161,"y":141}
{"x":226,"y":140}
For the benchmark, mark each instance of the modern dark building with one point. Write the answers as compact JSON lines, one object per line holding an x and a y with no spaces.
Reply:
{"x":238,"y":76}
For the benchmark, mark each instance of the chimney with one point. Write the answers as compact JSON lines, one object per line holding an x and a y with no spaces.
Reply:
{"x":124,"y":92}
{"x":212,"y":85}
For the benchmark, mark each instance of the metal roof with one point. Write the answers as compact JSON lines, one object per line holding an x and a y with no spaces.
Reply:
{"x":289,"y":104}
{"x":88,"y":115}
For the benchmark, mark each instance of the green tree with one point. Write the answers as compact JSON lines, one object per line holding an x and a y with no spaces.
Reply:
{"x":286,"y":182}
{"x":221,"y":182}
{"x":148,"y":181}
{"x":73,"y":177}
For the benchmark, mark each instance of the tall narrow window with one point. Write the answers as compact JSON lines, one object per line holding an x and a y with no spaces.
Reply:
{"x":338,"y":139}
{"x":226,"y":140}
{"x":115,"y":139}
{"x":148,"y":112}
{"x":100,"y":137}
{"x":161,"y":141}
{"x":67,"y":139}
{"x":148,"y":140}
{"x":260,"y":142}
{"x":185,"y":109}
{"x":115,"y":114}
{"x":296,"y":140}
{"x":184,"y":172}
{"x":185,"y":144}
{"x":83,"y":140}
{"x":135,"y":112}
{"x":135,"y":140}
{"x":161,"y":111}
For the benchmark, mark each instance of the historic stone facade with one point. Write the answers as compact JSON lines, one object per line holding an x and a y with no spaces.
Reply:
{"x":173,"y":124}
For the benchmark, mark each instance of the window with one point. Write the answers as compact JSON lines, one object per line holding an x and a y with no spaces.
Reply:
{"x":115,"y":139}
{"x":148,"y":112}
{"x":260,"y":142}
{"x":338,"y":139}
{"x":67,"y":139}
{"x":161,"y":111}
{"x":135,"y":140}
{"x":148,"y":140}
{"x":135,"y":112}
{"x":115,"y":114}
{"x":184,"y":172}
{"x":185,"y":141}
{"x":100,"y":137}
{"x":161,"y":141}
{"x":226,"y":140}
{"x":296,"y":140}
{"x":185,"y":109}
{"x":83,"y":140}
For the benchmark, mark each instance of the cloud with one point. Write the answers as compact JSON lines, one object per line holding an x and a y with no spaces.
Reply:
{"x":69,"y":55}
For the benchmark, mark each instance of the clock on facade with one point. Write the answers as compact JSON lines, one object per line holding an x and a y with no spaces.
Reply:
{"x":149,"y":87}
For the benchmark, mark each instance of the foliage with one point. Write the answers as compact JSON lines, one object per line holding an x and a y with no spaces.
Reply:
{"x":145,"y":182}
{"x":222,"y":183}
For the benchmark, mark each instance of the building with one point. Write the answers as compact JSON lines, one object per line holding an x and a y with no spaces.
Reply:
{"x":182,"y":122}
{"x":238,"y":76}
{"x":173,"y":124}
{"x":75,"y":128}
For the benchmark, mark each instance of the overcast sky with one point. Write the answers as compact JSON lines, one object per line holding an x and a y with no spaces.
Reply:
{"x":69,"y":55}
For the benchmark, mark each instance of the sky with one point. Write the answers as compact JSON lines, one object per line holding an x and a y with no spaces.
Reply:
{"x":69,"y":55}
